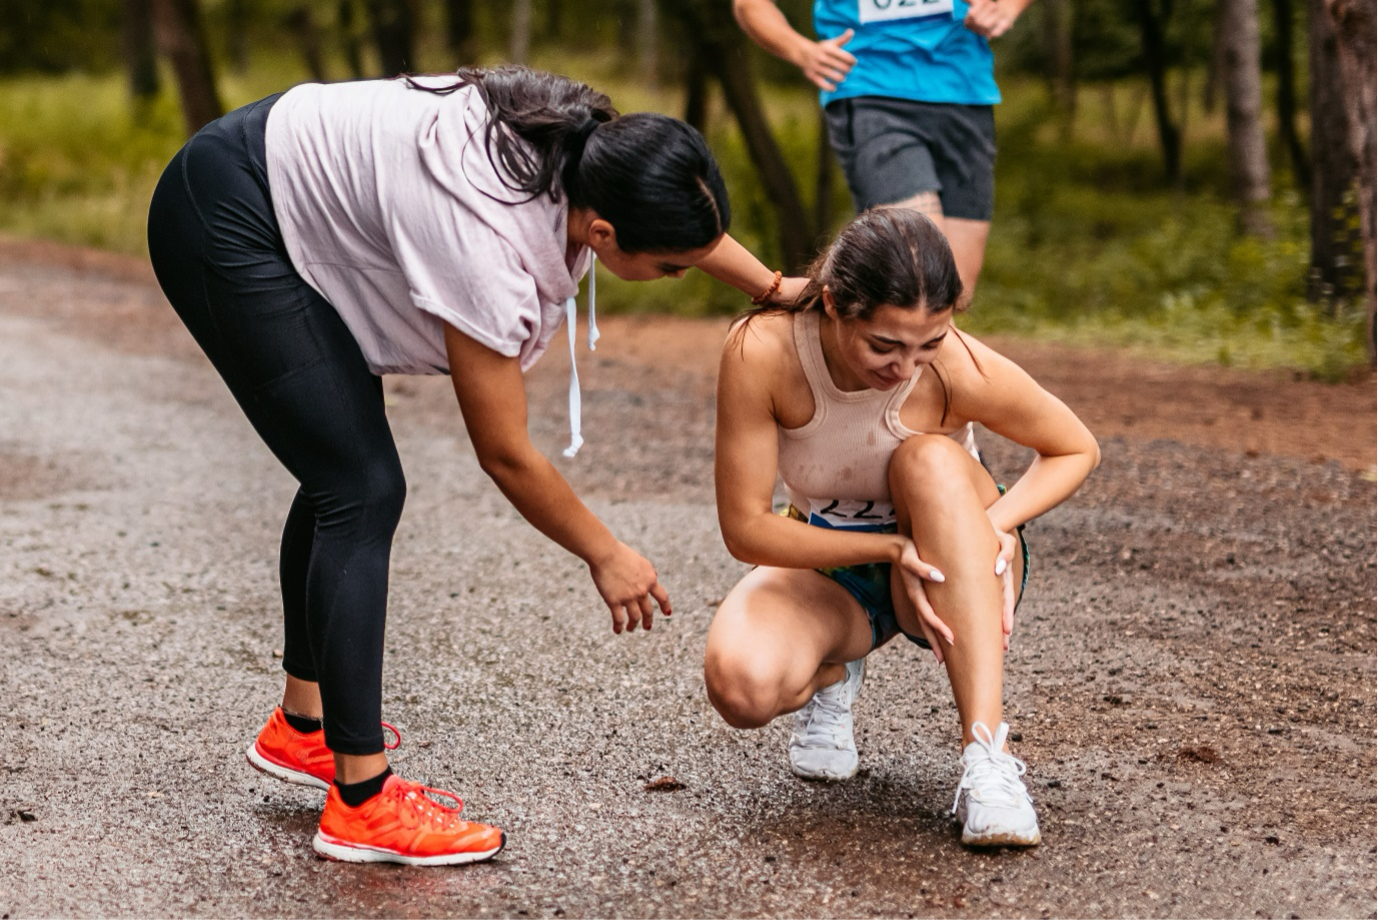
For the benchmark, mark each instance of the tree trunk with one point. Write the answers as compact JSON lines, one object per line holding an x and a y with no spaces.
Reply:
{"x":237,"y":35}
{"x":1213,"y":79}
{"x":697,"y":88}
{"x":824,"y":180}
{"x":1285,"y":89}
{"x":460,"y":31}
{"x":556,"y":20}
{"x":182,"y":38}
{"x":1355,"y":24}
{"x":141,"y":59}
{"x":648,"y":42}
{"x":1334,"y":246}
{"x":1059,"y":51}
{"x":520,"y":38}
{"x":303,"y":28}
{"x":1251,"y":168}
{"x":1153,"y":50}
{"x":741,"y":94}
{"x":350,"y":38}
{"x":709,"y":25}
{"x":391,"y":21}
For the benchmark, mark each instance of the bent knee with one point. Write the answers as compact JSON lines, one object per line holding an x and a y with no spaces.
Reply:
{"x":370,"y":503}
{"x":745,"y":694}
{"x":929,"y":461}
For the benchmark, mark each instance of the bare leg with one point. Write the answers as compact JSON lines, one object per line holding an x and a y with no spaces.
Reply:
{"x":778,"y":638}
{"x":303,"y":699}
{"x":941,"y":494}
{"x":968,"y":239}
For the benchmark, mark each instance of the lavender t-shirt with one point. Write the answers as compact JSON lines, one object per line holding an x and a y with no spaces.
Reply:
{"x":380,"y":193}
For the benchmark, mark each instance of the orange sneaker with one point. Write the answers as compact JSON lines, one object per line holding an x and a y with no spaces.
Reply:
{"x":404,"y":824}
{"x":298,"y":758}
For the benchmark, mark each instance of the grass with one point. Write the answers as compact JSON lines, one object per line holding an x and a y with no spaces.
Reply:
{"x":1089,"y":245}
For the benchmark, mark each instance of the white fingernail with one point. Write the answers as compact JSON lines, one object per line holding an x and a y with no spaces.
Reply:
{"x":936,"y":576}
{"x":1001,"y":565}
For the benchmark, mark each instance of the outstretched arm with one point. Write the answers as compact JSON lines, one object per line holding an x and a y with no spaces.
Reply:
{"x":731,"y":263}
{"x":493,"y":401}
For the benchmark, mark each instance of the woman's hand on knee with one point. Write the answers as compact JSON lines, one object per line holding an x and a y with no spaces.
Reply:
{"x":625,"y":579}
{"x":914,"y":573}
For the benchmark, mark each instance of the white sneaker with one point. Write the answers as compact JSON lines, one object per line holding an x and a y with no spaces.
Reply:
{"x":992,"y":801}
{"x":822,"y":741}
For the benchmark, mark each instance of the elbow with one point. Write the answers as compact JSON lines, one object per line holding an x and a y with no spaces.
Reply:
{"x":738,"y":548}
{"x":502,"y":465}
{"x":735,"y":548}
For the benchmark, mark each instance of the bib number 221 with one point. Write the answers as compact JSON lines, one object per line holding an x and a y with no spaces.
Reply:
{"x":884,"y":10}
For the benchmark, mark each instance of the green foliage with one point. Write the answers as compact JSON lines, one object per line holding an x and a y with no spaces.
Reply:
{"x":1087,"y":246}
{"x":54,"y":36}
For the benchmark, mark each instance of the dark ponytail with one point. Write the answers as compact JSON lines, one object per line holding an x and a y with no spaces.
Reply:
{"x":650,"y":176}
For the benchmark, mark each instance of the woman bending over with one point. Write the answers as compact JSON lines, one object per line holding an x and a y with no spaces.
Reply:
{"x":859,"y":396}
{"x":318,"y":239}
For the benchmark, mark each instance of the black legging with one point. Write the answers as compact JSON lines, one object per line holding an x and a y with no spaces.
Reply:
{"x":298,"y":374}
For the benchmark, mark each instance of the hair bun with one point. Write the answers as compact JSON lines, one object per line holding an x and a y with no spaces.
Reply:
{"x":581,"y":135}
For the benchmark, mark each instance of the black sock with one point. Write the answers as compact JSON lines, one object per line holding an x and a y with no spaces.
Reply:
{"x":357,"y":793}
{"x":302,"y":724}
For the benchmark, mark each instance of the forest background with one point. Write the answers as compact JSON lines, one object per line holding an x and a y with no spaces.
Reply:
{"x":1193,"y":179}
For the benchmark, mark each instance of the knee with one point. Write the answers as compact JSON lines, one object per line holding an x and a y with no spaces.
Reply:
{"x":373,"y":501}
{"x":928,"y":466}
{"x":745,"y":694}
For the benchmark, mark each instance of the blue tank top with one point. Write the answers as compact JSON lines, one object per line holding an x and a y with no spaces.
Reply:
{"x":910,"y":49}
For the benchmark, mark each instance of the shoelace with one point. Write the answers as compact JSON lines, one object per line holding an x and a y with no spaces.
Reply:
{"x":576,"y":439}
{"x":996,"y":775}
{"x":424,"y":808}
{"x":397,"y":737}
{"x":823,"y":717}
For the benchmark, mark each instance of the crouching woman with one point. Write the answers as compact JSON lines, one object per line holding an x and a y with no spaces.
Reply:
{"x":861,"y":397}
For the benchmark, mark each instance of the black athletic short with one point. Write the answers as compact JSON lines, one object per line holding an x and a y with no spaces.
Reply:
{"x":893,"y":149}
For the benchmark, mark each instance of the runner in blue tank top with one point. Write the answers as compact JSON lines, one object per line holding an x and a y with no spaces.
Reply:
{"x":908,"y":91}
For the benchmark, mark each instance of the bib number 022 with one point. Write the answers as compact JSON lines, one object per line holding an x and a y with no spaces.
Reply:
{"x":886,"y":10}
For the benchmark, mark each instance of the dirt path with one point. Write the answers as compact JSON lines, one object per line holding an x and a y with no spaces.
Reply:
{"x":1194,"y":679}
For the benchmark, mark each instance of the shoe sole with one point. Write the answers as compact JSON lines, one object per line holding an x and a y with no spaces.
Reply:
{"x":282,"y":772}
{"x":1003,"y":840}
{"x":335,"y":850}
{"x":824,"y":776}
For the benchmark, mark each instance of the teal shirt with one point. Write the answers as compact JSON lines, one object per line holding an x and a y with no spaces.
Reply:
{"x":910,"y":49}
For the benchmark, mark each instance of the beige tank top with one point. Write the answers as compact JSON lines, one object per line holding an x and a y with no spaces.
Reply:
{"x":835,"y":466}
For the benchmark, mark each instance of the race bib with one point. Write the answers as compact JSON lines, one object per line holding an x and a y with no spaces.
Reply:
{"x":852,"y":513}
{"x":884,"y":10}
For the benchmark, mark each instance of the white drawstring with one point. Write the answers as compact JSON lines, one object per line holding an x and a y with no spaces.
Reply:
{"x":576,"y":439}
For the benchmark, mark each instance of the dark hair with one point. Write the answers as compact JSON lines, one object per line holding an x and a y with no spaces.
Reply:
{"x":888,"y":255}
{"x":650,"y":176}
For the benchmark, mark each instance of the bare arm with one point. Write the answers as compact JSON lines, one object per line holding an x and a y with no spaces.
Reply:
{"x":992,"y":18}
{"x":1009,"y":402}
{"x":493,"y":401}
{"x":746,"y":472}
{"x":731,"y":263}
{"x":825,"y":63}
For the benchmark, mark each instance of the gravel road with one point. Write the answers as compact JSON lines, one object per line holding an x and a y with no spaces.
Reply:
{"x":1193,"y":677}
